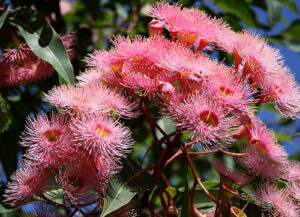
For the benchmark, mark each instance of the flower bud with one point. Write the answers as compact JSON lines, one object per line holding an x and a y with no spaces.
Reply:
{"x":155,"y":28}
{"x":236,"y":212}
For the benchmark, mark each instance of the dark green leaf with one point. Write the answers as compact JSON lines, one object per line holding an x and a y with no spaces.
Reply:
{"x":8,"y":212}
{"x":3,"y":15}
{"x":290,"y":4}
{"x":283,"y":137}
{"x":123,"y":186}
{"x":43,"y":40}
{"x":4,"y":116}
{"x":249,"y":193}
{"x":274,"y":12}
{"x":185,"y":212}
{"x":240,"y":9}
{"x":293,"y":31}
{"x":201,"y":201}
{"x":55,"y":195}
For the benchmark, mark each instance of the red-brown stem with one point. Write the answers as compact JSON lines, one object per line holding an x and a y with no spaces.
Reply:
{"x":52,"y":202}
{"x":179,"y":152}
{"x":73,"y":212}
{"x":2,"y":9}
{"x":166,"y":180}
{"x":159,"y":102}
{"x":204,"y":152}
{"x":95,"y":208}
{"x":192,"y":195}
{"x":233,"y":154}
{"x":196,"y":176}
{"x":163,"y":202}
{"x":153,"y":213}
{"x":89,"y":203}
{"x":146,"y":110}
{"x":148,"y":149}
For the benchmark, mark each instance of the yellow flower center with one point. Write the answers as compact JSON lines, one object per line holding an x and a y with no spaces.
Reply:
{"x":102,"y":132}
{"x":209,"y":118}
{"x":52,"y":136}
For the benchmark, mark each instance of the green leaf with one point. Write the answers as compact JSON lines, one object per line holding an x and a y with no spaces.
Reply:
{"x":201,"y":201}
{"x":293,"y":31}
{"x":7,"y":212}
{"x":123,"y":186}
{"x":3,"y":15}
{"x":185,"y":212}
{"x":167,"y":125}
{"x":249,"y":193}
{"x":5,"y":120}
{"x":240,"y":9}
{"x":55,"y":195}
{"x":283,"y":137}
{"x":290,"y":5}
{"x":43,"y":40}
{"x":274,"y":12}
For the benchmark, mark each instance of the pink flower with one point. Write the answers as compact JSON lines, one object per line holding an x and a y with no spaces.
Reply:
{"x":204,"y":118}
{"x":101,"y":135}
{"x":277,"y":202}
{"x":292,"y":169}
{"x":282,"y":90}
{"x":188,"y":25}
{"x":234,"y":176}
{"x":78,"y":181}
{"x":294,"y":189}
{"x":264,"y":143}
{"x":20,"y":66}
{"x":265,"y":157}
{"x":90,"y":99}
{"x":48,"y":140}
{"x":143,"y":76}
{"x":99,"y":76}
{"x":226,"y":88}
{"x":26,"y":182}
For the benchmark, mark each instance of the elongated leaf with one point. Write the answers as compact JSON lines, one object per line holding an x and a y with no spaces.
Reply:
{"x":43,"y":40}
{"x":55,"y":195}
{"x":185,"y":212}
{"x":124,"y":186}
{"x":274,"y":12}
{"x":201,"y":201}
{"x":293,"y":31}
{"x":3,"y":15}
{"x":290,"y":4}
{"x":4,"y":115}
{"x":240,"y":9}
{"x":7,"y":212}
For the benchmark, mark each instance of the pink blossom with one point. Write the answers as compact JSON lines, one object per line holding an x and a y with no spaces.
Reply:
{"x":235,"y":176}
{"x":99,"y":76}
{"x":294,"y":189}
{"x":204,"y":118}
{"x":78,"y":181}
{"x":188,"y":24}
{"x":101,"y":135}
{"x":26,"y":182}
{"x":20,"y":66}
{"x":276,"y":201}
{"x":292,"y":170}
{"x":265,"y":157}
{"x":90,"y":99}
{"x":48,"y":139}
{"x":227,"y":88}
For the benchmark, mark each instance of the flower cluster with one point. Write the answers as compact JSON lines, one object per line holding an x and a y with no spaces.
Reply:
{"x":83,"y":142}
{"x":20,"y":65}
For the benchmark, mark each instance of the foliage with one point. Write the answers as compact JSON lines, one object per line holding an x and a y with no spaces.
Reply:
{"x":39,"y":24}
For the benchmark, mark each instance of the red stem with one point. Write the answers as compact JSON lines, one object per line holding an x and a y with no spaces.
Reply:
{"x":196,"y":176}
